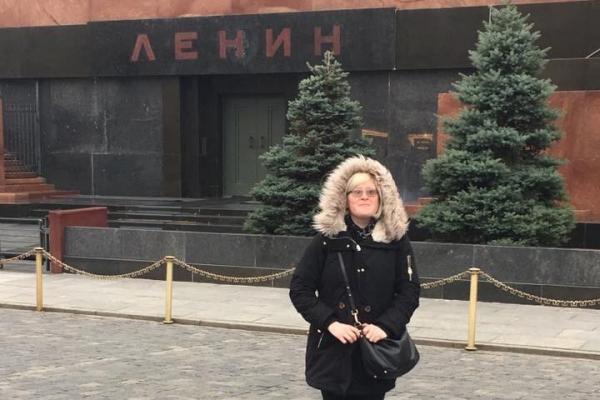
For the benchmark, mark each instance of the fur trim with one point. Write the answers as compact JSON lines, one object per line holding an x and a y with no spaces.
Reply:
{"x":393,"y":222}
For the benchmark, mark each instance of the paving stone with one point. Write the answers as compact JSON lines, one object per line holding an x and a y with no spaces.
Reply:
{"x":66,"y":356}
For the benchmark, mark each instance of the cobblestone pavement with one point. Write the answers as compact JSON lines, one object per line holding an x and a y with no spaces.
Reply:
{"x":66,"y":356}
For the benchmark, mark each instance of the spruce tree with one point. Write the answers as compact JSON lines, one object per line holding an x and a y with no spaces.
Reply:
{"x":495,"y":183}
{"x":323,"y":126}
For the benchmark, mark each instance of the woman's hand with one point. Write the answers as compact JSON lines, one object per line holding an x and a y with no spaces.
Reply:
{"x":343,"y":332}
{"x":373,"y":333}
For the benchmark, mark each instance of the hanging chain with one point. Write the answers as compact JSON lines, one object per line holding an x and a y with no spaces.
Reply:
{"x":133,"y":274}
{"x":279,"y":275}
{"x":16,"y":258}
{"x":539,"y":299}
{"x":445,"y":281}
{"x":233,"y":279}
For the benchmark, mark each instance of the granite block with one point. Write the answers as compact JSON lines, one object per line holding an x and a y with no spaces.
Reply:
{"x":96,"y":266}
{"x":151,"y":245}
{"x":371,"y":91}
{"x":133,"y":115}
{"x":440,"y":260}
{"x":280,"y":251}
{"x":128,"y":174}
{"x":578,"y":268}
{"x":69,"y":171}
{"x":509,"y":263}
{"x":92,"y":243}
{"x":73,"y":117}
{"x":220,"y":249}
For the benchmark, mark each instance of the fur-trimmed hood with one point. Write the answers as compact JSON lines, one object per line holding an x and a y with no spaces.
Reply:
{"x":393,"y":222}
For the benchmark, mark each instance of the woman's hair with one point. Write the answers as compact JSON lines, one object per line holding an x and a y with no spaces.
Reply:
{"x":358,"y":179}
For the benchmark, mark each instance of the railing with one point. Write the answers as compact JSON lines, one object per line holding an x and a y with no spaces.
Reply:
{"x":22,"y":134}
{"x":473,"y":273}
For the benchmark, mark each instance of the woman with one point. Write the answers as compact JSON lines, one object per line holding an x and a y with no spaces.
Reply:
{"x":360,"y":201}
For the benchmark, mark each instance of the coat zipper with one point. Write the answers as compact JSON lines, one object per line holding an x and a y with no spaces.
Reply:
{"x":320,"y":340}
{"x":410,"y":270}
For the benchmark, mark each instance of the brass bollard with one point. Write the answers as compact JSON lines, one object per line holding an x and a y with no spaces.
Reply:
{"x":472,"y":308}
{"x":169,"y":280}
{"x":39,"y":292}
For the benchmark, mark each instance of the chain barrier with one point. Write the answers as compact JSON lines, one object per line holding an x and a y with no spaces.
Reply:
{"x":133,"y":274}
{"x":538,"y":299}
{"x":445,"y":281}
{"x":233,"y":279}
{"x":16,"y":258}
{"x":279,"y":275}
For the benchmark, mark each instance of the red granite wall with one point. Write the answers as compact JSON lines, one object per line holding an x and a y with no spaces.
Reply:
{"x":60,"y":219}
{"x":16,"y":13}
{"x":580,"y":145}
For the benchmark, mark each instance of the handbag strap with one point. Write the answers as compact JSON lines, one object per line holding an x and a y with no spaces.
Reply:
{"x":354,"y":310}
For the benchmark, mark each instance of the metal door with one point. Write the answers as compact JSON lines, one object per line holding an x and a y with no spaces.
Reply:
{"x":251,"y":124}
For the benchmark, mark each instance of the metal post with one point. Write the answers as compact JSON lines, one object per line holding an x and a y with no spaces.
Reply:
{"x":39,"y":298}
{"x":472,"y":308}
{"x":169,"y":301}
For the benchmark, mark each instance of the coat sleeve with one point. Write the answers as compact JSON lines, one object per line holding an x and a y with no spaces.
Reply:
{"x":304,"y":285}
{"x":407,"y":289}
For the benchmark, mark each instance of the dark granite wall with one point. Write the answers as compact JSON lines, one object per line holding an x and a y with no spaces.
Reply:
{"x":402,"y":104}
{"x":21,"y":91}
{"x":398,"y":103}
{"x":100,"y":135}
{"x":550,"y":272}
{"x":112,"y":136}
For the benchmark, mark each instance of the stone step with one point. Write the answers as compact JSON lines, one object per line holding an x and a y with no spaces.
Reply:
{"x":12,"y":162}
{"x":16,"y":168}
{"x":52,"y":194}
{"x":125,"y":210}
{"x":24,"y":197}
{"x":26,"y":187}
{"x":12,"y":198}
{"x":177,"y":217}
{"x":20,"y":175}
{"x":175,"y":226}
{"x":23,"y":181}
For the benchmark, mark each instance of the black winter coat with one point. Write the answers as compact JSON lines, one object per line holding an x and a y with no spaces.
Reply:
{"x":385,"y":294}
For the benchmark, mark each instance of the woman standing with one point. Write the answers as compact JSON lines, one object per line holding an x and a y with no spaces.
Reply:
{"x":358,"y":201}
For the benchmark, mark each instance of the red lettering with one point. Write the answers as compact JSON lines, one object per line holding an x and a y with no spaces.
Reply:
{"x":238,"y":43}
{"x":183,"y":43}
{"x":334,"y":39}
{"x":142,"y":42}
{"x":283,"y":38}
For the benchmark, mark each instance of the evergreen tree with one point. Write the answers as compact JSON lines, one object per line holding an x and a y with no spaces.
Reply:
{"x":495,"y":183}
{"x":323,"y":122}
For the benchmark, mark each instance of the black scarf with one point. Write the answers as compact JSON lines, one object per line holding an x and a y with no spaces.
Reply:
{"x":359,"y":234}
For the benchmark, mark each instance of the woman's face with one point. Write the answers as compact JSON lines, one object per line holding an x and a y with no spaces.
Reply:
{"x":363,"y":200}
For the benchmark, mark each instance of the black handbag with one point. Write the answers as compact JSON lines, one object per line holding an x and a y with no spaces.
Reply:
{"x":388,"y":358}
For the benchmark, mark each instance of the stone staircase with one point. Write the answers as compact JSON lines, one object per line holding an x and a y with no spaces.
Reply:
{"x":22,"y":185}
